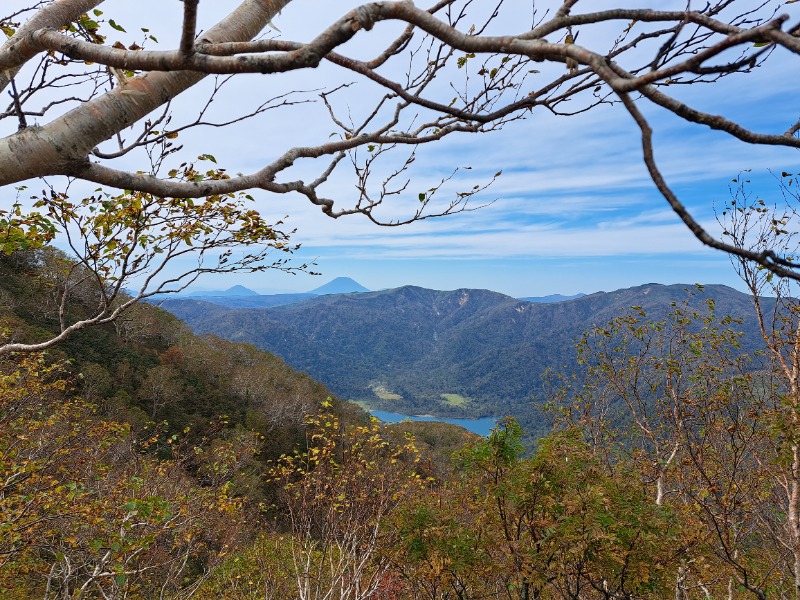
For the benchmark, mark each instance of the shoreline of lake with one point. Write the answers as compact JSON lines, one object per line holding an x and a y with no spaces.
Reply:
{"x":482,"y":426}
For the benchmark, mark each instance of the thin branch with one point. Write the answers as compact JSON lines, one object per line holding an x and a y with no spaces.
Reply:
{"x":189,"y":27}
{"x":766,"y":258}
{"x":17,"y":105}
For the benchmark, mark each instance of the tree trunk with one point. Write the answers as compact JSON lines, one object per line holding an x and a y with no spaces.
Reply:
{"x":794,"y":515}
{"x":63,"y":145}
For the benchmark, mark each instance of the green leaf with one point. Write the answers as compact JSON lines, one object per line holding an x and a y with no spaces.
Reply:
{"x":115,"y":26}
{"x":88,"y":23}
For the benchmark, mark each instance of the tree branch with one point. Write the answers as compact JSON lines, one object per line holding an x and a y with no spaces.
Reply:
{"x":56,"y":14}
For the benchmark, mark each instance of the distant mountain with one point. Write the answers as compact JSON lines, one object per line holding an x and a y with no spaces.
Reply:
{"x":551,"y":298}
{"x":257,"y":301}
{"x":237,"y":290}
{"x":340,"y":285}
{"x":237,"y":296}
{"x":241,"y":297}
{"x":460,"y":353}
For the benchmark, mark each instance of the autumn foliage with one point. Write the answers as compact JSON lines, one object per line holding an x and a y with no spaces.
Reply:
{"x":86,"y":510}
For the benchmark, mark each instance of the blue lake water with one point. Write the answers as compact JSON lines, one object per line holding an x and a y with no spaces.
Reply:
{"x":479,"y":426}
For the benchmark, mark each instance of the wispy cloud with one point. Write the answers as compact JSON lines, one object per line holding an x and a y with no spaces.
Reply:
{"x":572,"y":188}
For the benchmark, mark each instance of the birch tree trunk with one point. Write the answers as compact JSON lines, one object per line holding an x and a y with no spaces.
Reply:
{"x":67,"y":141}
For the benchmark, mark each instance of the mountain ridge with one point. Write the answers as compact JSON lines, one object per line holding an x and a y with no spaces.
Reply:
{"x":236,"y":290}
{"x":239,"y":296}
{"x":339,"y":285}
{"x":552,"y":298}
{"x":463,"y":353}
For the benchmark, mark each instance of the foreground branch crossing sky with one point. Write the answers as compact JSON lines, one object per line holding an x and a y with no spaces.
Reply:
{"x":573,"y":211}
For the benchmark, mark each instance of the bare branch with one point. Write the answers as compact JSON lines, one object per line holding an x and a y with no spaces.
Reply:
{"x":766,"y":257}
{"x":459,"y":77}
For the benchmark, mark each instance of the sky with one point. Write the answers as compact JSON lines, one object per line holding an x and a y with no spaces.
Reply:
{"x":573,"y":212}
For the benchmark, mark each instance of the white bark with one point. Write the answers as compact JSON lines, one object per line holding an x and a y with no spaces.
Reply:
{"x":64,"y":144}
{"x":54,"y":15}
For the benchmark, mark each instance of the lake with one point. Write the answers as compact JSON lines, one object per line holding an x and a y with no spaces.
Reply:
{"x":480,"y":426}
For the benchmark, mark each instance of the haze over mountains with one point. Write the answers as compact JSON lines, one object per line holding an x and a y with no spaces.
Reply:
{"x":340,"y":285}
{"x":454,"y":353}
{"x":239,"y":296}
{"x":552,"y":298}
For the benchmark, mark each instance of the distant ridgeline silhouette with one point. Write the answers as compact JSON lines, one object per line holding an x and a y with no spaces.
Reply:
{"x":462,"y":353}
{"x":239,"y":296}
{"x":340,"y":285}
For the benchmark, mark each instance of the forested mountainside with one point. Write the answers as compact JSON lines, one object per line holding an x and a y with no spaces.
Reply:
{"x":148,"y":366}
{"x":137,"y":436}
{"x":244,"y":300}
{"x":136,"y":456}
{"x":417,"y":350}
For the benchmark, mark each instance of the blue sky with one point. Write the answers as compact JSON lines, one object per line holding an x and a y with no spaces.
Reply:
{"x":574,"y":210}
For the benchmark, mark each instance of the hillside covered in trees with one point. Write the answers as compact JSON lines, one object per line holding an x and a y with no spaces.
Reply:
{"x":133,"y":421}
{"x":413,"y":350}
{"x":139,"y":460}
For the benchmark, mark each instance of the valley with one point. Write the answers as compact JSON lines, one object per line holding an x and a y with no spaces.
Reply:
{"x":463,"y":353}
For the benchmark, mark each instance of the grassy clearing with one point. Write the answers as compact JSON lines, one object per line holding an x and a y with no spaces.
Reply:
{"x":455,"y":400}
{"x":383,"y":393}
